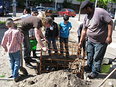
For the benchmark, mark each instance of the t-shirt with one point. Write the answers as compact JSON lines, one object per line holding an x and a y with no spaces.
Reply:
{"x":24,"y":16}
{"x":31,"y":33}
{"x":64,"y":29}
{"x":30,"y":23}
{"x":52,"y":32}
{"x":97,"y":25}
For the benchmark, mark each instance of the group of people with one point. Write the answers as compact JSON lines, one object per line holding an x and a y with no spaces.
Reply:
{"x":97,"y":27}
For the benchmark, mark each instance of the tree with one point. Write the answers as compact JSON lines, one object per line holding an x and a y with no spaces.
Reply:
{"x":104,"y":3}
{"x":101,"y":3}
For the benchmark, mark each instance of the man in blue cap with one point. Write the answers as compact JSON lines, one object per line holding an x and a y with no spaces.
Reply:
{"x":97,"y":26}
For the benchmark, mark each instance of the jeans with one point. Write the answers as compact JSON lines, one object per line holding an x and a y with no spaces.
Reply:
{"x":64,"y":41}
{"x":53,"y":42}
{"x":27,"y":49}
{"x":15,"y":63}
{"x":95,"y":54}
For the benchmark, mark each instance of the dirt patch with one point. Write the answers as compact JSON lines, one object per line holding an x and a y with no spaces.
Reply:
{"x":53,"y":79}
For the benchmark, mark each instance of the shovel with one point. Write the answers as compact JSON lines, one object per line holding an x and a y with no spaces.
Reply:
{"x":22,"y":69}
{"x":106,"y":78}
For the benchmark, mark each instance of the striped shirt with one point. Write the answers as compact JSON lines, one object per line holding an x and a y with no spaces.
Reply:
{"x":12,"y":40}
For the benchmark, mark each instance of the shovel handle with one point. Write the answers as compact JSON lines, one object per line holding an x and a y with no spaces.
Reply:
{"x":107,"y":78}
{"x":21,"y":57}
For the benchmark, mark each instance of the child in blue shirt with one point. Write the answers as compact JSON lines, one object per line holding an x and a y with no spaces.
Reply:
{"x":65,"y":28}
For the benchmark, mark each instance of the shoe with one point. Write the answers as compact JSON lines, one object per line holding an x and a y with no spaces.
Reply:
{"x":29,"y":65}
{"x":32,"y":60}
{"x":87,"y":68}
{"x":92,"y":75}
{"x":35,"y":56}
{"x":67,"y":56}
{"x":10,"y":77}
{"x":17,"y":79}
{"x":55,"y":54}
{"x":50,"y":54}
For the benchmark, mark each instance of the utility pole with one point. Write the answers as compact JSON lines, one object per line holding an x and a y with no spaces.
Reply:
{"x":55,"y":4}
{"x":14,"y":8}
{"x":26,"y":3}
{"x":79,"y":11}
{"x":96,"y":3}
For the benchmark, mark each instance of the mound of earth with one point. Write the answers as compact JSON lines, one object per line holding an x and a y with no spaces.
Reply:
{"x":53,"y":79}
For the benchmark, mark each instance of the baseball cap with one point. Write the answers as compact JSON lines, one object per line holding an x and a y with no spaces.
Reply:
{"x":85,"y":4}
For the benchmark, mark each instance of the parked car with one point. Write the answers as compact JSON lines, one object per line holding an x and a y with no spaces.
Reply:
{"x":67,"y":11}
{"x":40,"y":8}
{"x":54,"y":11}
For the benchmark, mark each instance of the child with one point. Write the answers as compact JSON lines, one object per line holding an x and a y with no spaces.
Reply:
{"x":51,"y":34}
{"x":65,"y":28}
{"x":11,"y":42}
{"x":33,"y":41}
{"x":48,"y":13}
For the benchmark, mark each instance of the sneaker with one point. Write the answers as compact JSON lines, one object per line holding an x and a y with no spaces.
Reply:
{"x":92,"y":75}
{"x":29,"y":65}
{"x":87,"y":68}
{"x":10,"y":77}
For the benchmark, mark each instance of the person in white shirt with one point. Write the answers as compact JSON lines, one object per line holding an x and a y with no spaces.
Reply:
{"x":26,"y":13}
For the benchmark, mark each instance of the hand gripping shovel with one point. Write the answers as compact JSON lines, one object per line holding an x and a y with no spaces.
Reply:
{"x":22,"y":69}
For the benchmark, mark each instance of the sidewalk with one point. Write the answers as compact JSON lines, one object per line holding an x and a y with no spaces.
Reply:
{"x":111,"y":50}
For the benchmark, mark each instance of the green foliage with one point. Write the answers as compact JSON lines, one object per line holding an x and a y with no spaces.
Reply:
{"x":2,"y":22}
{"x":101,"y":3}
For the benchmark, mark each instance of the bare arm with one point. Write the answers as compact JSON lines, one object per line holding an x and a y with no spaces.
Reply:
{"x":109,"y":37}
{"x":4,"y":43}
{"x":17,"y":19}
{"x":41,"y":34}
{"x":83,"y":35}
{"x":38,"y":35}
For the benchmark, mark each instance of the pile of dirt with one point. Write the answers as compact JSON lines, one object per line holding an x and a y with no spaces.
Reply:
{"x":53,"y":79}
